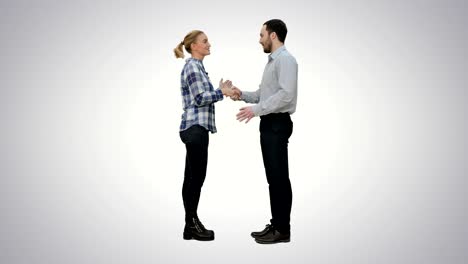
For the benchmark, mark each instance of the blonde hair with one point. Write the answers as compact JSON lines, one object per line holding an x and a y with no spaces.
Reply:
{"x":190,"y":38}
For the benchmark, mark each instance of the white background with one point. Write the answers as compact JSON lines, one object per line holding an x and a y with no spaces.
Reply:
{"x":92,"y":164}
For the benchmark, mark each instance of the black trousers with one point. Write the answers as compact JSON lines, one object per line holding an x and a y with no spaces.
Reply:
{"x":196,"y":141}
{"x":275,"y":130}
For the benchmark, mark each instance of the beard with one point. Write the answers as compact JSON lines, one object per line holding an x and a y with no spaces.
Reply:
{"x":267,"y":47}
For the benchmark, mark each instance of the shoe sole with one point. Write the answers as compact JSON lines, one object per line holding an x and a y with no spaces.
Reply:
{"x":273,"y":242}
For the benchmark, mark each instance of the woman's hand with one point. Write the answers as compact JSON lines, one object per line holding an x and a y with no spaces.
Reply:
{"x":226,"y":87}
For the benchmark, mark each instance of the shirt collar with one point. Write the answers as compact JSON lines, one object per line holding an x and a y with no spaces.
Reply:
{"x":275,"y":54}
{"x":197,"y":61}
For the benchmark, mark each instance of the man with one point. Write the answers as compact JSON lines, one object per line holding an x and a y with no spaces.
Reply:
{"x":275,"y":101}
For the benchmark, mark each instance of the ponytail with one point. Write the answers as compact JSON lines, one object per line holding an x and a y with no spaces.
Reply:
{"x":179,"y":51}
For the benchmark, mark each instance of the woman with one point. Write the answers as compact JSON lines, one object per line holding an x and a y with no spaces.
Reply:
{"x":198,"y":97}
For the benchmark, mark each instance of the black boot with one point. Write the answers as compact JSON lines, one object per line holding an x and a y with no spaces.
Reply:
{"x":194,"y":229}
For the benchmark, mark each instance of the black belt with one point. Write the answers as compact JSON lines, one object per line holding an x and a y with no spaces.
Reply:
{"x":274,"y":116}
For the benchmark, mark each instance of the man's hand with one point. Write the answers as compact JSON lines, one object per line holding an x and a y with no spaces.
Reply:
{"x":245,"y":113}
{"x":237,"y":93}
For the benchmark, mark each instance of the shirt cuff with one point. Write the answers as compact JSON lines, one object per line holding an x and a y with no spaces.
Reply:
{"x":256,"y":109}
{"x":219,"y":94}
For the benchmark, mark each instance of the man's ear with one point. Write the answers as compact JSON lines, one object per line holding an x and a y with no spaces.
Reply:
{"x":273,"y":35}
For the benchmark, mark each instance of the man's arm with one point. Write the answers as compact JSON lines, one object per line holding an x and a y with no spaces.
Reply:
{"x":250,"y":97}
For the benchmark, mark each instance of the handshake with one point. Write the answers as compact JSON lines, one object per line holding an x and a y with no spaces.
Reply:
{"x":230,"y":90}
{"x":245,"y":113}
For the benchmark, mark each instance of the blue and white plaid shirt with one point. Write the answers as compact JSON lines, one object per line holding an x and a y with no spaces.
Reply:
{"x":198,"y":96}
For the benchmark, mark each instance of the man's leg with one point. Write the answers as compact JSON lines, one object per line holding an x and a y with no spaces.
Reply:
{"x":274,"y":135}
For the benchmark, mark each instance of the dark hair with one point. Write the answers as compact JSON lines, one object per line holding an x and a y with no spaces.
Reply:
{"x":277,"y":26}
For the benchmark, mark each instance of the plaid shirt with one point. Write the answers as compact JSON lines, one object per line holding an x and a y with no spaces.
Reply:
{"x":198,"y":96}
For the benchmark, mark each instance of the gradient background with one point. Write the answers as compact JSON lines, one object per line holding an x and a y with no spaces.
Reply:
{"x":92,"y":164}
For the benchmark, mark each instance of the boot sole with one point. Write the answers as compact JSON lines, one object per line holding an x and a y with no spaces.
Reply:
{"x":190,"y":237}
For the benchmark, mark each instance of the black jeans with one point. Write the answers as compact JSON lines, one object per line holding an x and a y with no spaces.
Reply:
{"x":196,"y":141}
{"x":275,"y":130}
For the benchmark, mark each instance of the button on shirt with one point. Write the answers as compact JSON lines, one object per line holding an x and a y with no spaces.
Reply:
{"x":198,"y":96}
{"x":277,"y":92}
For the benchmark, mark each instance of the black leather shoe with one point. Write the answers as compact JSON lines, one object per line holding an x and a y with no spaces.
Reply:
{"x":273,"y":236}
{"x":261,"y":233}
{"x":194,"y":229}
